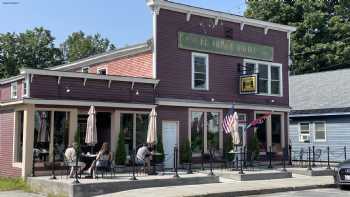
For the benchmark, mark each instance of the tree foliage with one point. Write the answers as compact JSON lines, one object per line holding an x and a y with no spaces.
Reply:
{"x":322,"y":39}
{"x":78,"y":45}
{"x":120,"y":153}
{"x":35,"y":48}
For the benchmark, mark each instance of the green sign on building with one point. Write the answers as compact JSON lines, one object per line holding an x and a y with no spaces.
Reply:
{"x":222,"y":46}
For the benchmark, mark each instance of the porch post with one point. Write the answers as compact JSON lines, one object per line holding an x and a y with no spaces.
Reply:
{"x":28,"y":140}
{"x":73,"y":125}
{"x":269,"y":132}
{"x":115,"y":129}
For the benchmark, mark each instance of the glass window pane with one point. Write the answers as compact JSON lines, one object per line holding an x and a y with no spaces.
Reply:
{"x":200,"y":72}
{"x":276,"y":128}
{"x":199,"y":76}
{"x":126,"y":126}
{"x":263,"y":86}
{"x":199,"y":68}
{"x":304,"y":128}
{"x":275,"y":73}
{"x":320,"y":135}
{"x":61,"y":134}
{"x":275,"y":87}
{"x":197,"y":131}
{"x":199,"y":84}
{"x":141,"y":128}
{"x":19,"y":136}
{"x":249,"y":68}
{"x":263,"y":71}
{"x":319,"y":126}
{"x":213,"y":130}
{"x":199,"y":60}
{"x":42,"y":132}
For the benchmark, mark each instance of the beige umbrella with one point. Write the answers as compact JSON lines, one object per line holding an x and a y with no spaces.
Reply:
{"x":236,"y":140}
{"x":152,"y":128}
{"x":91,"y":130}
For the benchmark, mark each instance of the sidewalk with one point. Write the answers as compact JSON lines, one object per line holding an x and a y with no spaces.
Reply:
{"x":233,"y":188}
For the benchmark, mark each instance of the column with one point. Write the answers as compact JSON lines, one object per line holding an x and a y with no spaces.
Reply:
{"x":28,"y":140}
{"x":268,"y":132}
{"x":115,"y":129}
{"x":73,"y":125}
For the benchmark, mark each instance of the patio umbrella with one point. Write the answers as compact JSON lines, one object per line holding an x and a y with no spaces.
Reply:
{"x":91,"y":130}
{"x":152,"y":128}
{"x":43,"y":135}
{"x":234,"y":133}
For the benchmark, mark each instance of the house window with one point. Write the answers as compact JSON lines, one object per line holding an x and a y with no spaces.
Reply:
{"x":320,"y":131}
{"x":205,"y":131}
{"x":304,"y":132}
{"x":14,"y":90}
{"x":102,"y":71}
{"x":242,"y":118}
{"x":26,"y":87}
{"x":85,"y":70}
{"x":19,"y":136}
{"x":270,"y":76}
{"x":200,"y":76}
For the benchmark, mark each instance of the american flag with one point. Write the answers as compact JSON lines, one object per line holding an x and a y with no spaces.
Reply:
{"x":227,"y":124}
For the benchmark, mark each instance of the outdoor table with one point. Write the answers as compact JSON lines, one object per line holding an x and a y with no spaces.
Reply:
{"x":153,"y":163}
{"x":88,"y":159}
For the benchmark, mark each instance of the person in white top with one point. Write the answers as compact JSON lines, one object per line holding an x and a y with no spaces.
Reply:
{"x":70,"y":157}
{"x":143,"y":156}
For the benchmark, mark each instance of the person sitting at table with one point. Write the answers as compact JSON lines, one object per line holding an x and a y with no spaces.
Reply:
{"x":103,"y":158}
{"x":70,"y":157}
{"x":143,"y":156}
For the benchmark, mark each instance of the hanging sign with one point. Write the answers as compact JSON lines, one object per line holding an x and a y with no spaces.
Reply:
{"x":222,"y":46}
{"x":248,"y":84}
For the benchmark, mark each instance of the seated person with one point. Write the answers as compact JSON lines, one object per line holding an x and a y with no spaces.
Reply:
{"x":70,"y":156}
{"x":143,"y":156}
{"x":103,"y":159}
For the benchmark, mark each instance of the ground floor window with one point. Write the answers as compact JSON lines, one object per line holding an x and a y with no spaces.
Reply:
{"x":304,"y":132}
{"x":320,"y":131}
{"x":19,"y":136}
{"x":205,"y":130}
{"x":134,"y":126}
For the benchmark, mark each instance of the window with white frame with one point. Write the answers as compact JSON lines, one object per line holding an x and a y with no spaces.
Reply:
{"x":304,"y":132}
{"x":85,"y":70}
{"x":14,"y":90}
{"x":320,"y":131}
{"x":102,"y":71}
{"x":200,"y":73}
{"x":26,"y":87}
{"x":242,"y":118}
{"x":270,"y":76}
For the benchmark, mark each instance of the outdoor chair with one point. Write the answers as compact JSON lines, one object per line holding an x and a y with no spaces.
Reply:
{"x":103,"y":168}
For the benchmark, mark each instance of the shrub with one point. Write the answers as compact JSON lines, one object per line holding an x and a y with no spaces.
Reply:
{"x":160,"y":149}
{"x":253,"y":146}
{"x":120,"y":152}
{"x":77,"y":140}
{"x":185,"y":152}
{"x":228,"y":146}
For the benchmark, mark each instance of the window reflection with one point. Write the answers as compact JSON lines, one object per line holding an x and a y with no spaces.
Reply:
{"x":197,"y":131}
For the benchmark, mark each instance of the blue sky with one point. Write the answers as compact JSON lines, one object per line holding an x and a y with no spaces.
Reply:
{"x":122,"y":21}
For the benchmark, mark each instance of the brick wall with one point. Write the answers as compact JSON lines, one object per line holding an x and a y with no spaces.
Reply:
{"x":6,"y":144}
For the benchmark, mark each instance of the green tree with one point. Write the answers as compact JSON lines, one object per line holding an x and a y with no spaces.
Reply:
{"x":185,"y":152}
{"x":120,"y":153}
{"x":33,"y":49}
{"x":321,"y":41}
{"x":160,"y":149}
{"x":78,"y":45}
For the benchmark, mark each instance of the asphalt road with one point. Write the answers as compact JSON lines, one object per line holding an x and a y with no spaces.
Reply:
{"x":310,"y":193}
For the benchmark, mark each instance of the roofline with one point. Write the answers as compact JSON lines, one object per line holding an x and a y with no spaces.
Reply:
{"x":107,"y":56}
{"x":319,"y":114}
{"x":88,"y":76}
{"x":11,"y":79}
{"x":217,"y":15}
{"x":318,"y":73}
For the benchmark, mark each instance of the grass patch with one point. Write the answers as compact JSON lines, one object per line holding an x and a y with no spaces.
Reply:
{"x":12,"y":184}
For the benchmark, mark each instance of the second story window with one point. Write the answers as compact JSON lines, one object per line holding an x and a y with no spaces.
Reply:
{"x":26,"y":87}
{"x":270,"y":76}
{"x":200,"y":73}
{"x":14,"y":90}
{"x":102,"y":71}
{"x":85,"y":70}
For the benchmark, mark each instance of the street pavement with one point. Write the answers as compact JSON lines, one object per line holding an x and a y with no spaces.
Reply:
{"x":334,"y":192}
{"x":19,"y":194}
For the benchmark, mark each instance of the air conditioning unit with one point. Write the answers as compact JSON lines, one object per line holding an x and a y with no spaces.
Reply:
{"x":305,"y":138}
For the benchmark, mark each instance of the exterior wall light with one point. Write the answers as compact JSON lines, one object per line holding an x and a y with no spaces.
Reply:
{"x":137,"y":92}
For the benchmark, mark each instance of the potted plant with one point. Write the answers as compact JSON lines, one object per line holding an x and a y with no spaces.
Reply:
{"x":186,"y":156}
{"x":120,"y":153}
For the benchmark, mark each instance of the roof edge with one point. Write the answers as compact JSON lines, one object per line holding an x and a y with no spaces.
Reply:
{"x":107,"y":56}
{"x":218,"y":15}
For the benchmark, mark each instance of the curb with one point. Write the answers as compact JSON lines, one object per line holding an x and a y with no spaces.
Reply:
{"x":264,"y":191}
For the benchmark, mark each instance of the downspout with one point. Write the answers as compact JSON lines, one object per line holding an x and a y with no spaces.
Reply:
{"x":154,"y":55}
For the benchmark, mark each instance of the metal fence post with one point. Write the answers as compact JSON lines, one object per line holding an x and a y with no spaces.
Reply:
{"x":345,"y":152}
{"x":313,"y":156}
{"x":270,"y":157}
{"x":133,"y":178}
{"x":33,"y":165}
{"x":202,"y":160}
{"x":328,"y":165}
{"x":309,"y":155}
{"x":290,"y":155}
{"x":284,"y":159}
{"x":241,"y":161}
{"x":176,"y":175}
{"x":245,"y":155}
{"x":211,"y":173}
{"x":53,"y":176}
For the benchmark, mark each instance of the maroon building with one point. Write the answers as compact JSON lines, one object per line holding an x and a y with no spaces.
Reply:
{"x":197,"y":65}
